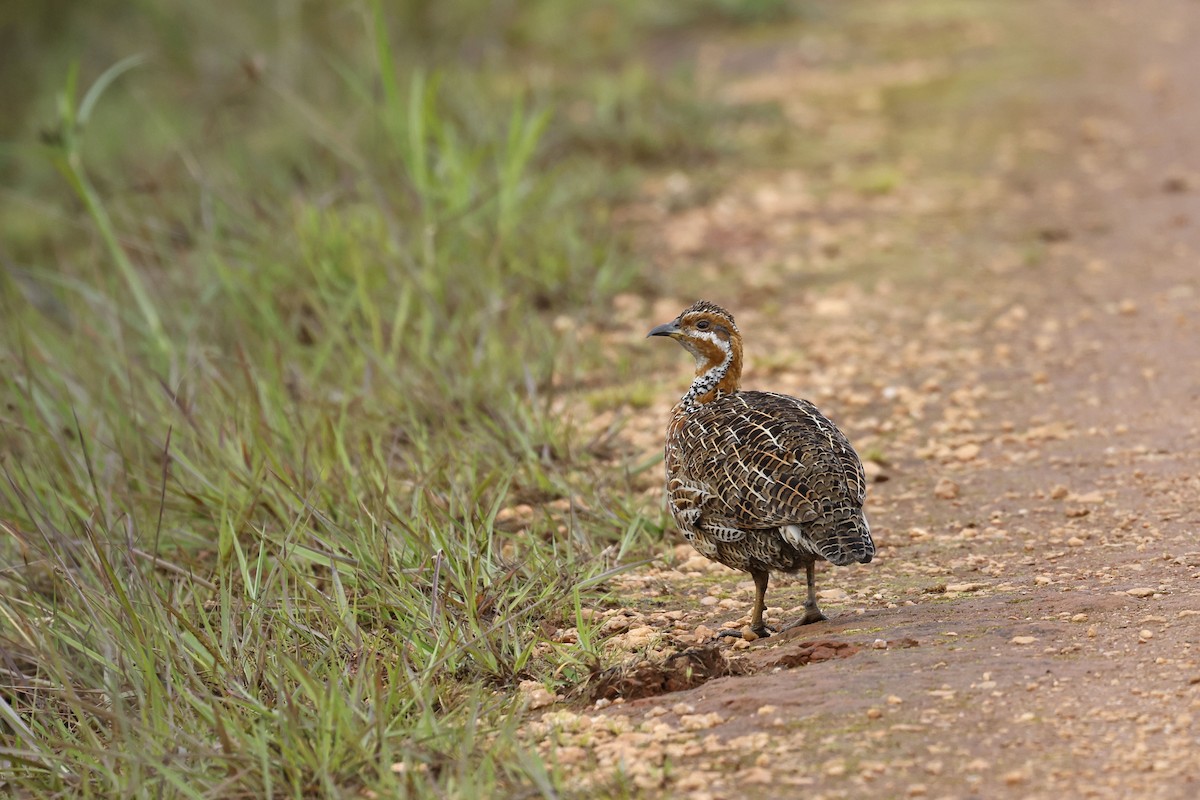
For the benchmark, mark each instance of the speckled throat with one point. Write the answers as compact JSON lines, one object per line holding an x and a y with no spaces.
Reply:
{"x":714,"y":378}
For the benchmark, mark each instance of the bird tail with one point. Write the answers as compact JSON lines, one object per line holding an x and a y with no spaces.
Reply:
{"x":850,"y":543}
{"x":867,"y":551}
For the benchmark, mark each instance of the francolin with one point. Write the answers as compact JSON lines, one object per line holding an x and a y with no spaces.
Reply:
{"x":758,"y":481}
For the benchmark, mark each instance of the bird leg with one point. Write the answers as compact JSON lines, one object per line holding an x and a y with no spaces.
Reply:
{"x":760,"y":603}
{"x":811,"y":612}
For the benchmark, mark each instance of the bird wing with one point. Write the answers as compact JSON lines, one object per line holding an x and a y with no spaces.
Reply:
{"x":765,"y":460}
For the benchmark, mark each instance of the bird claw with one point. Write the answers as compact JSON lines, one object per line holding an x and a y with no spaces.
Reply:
{"x":740,"y":633}
{"x":810,"y":616}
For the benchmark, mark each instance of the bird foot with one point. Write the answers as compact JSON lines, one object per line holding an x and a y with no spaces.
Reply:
{"x":811,"y":615}
{"x":740,"y":633}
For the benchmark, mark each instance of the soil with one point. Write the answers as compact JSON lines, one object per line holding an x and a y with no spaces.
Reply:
{"x":1030,"y":401}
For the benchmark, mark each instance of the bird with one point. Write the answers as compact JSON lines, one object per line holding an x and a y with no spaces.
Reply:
{"x":758,"y":481}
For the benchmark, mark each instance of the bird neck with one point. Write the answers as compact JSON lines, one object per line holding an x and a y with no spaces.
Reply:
{"x":718,"y":374}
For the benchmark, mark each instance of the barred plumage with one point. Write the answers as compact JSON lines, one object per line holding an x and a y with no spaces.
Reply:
{"x":755,"y":480}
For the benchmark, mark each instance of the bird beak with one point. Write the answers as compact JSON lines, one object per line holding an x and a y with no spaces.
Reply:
{"x":666,"y":329}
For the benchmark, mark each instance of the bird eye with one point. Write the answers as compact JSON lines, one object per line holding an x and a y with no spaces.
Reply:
{"x":702,"y":325}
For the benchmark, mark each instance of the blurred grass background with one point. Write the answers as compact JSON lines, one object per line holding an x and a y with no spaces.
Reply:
{"x":285,"y":289}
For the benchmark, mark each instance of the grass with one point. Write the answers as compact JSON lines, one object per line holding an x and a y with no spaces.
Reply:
{"x":268,"y":378}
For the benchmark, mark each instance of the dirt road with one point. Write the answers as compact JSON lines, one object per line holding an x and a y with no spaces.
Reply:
{"x":1029,"y":394}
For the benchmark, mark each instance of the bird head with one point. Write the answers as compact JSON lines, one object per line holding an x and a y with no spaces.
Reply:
{"x":708,"y":332}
